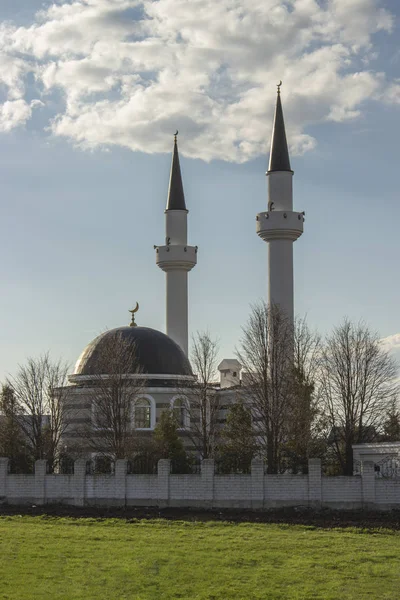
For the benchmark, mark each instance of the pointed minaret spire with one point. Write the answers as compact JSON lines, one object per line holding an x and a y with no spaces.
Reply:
{"x":176,"y":196}
{"x":279,"y":156}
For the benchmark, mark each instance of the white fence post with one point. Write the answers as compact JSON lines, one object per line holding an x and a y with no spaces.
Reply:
{"x":79,"y":481}
{"x":40,"y":481}
{"x":207,"y":480}
{"x":163,"y":473}
{"x":257,"y":483}
{"x":121,"y":467}
{"x":314,"y":482}
{"x":368,"y":483}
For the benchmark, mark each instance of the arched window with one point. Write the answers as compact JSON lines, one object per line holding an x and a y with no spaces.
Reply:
{"x":181,"y":413}
{"x":142,"y":414}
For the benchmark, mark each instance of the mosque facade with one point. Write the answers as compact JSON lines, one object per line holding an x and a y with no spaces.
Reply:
{"x":161,"y":359}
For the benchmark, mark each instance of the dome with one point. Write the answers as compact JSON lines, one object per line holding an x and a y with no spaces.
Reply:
{"x":155,"y":353}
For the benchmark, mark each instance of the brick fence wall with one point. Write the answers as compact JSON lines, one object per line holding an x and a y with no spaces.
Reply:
{"x":206,"y":490}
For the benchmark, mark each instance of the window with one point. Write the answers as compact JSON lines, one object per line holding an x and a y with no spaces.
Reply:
{"x":234,"y":374}
{"x":180,"y":412}
{"x":142,"y":416}
{"x":144,"y":413}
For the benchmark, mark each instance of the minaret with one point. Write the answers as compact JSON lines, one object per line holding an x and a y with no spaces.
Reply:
{"x":280,"y":226}
{"x":176,"y":258}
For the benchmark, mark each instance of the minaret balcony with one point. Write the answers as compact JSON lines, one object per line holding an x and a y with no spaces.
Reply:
{"x":182,"y":258}
{"x":279,"y":225}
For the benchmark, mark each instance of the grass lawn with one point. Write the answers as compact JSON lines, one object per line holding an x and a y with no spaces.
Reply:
{"x":66,"y":558}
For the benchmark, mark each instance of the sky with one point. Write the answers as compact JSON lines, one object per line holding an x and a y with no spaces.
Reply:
{"x":91,"y":93}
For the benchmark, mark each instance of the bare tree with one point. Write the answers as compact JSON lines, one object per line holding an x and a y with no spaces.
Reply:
{"x":391,"y":423}
{"x":13,"y":444}
{"x":40,"y":390}
{"x":114,"y":389}
{"x":202,"y":395}
{"x":358,"y":383}
{"x":307,"y":351}
{"x":306,"y":425}
{"x":266,"y":353}
{"x":237,"y":446}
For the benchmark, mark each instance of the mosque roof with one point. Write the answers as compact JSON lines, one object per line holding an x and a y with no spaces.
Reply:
{"x":279,"y":155}
{"x":176,"y":196}
{"x":154,"y":353}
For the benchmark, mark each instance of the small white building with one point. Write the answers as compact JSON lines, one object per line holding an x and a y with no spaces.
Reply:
{"x":229,"y":370}
{"x":376,"y":451}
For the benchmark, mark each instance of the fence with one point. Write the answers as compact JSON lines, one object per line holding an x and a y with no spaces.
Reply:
{"x":388,"y":467}
{"x":207,"y":489}
{"x":142,"y":465}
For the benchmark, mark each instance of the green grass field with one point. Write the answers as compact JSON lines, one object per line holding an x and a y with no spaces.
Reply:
{"x":66,"y":558}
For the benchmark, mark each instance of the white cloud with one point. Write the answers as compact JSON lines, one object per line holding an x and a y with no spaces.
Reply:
{"x":37,"y":103}
{"x":14,"y":113}
{"x":12,"y":72}
{"x":391,"y":342}
{"x":392,"y":94}
{"x":132,"y":71}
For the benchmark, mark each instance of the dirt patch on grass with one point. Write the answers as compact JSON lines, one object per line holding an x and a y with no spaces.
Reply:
{"x":324,"y":518}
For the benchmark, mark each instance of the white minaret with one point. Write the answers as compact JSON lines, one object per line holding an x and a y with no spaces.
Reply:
{"x":176,"y":258}
{"x":280,"y":226}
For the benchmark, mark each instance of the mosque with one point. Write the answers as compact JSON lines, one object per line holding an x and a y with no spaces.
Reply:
{"x":163,"y":357}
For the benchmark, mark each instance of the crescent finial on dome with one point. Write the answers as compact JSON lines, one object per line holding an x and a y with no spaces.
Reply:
{"x":133,"y":311}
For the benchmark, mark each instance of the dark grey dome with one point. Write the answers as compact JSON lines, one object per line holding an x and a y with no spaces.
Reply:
{"x":155,"y":353}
